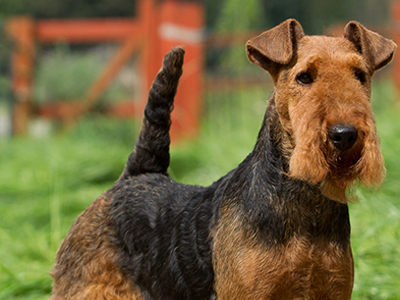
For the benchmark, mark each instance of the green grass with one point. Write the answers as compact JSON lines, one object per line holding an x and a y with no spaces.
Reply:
{"x":376,"y":217}
{"x":45,"y":183}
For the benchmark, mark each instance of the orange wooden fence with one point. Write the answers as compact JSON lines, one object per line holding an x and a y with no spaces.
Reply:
{"x":158,"y":26}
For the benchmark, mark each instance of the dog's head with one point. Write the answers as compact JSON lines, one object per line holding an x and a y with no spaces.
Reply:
{"x":322,"y":96}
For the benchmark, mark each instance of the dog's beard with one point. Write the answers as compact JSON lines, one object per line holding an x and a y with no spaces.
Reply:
{"x":315,"y":160}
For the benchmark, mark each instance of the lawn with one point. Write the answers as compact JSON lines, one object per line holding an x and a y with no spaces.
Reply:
{"x":46,"y":182}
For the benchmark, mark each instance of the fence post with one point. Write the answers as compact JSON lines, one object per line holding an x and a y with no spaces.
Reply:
{"x":182,"y":23}
{"x":21,"y":30}
{"x":167,"y":24}
{"x":150,"y":52}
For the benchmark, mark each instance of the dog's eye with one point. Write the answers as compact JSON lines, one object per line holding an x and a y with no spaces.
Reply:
{"x":304,"y":78}
{"x":361,"y":76}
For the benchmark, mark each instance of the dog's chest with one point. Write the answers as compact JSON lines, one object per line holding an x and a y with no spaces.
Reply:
{"x":288,"y":252}
{"x":298,"y":270}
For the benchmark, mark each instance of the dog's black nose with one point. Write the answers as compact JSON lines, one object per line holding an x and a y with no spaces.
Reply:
{"x":343,"y":136}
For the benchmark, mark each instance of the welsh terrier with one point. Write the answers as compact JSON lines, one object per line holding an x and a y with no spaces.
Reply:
{"x":277,"y":226}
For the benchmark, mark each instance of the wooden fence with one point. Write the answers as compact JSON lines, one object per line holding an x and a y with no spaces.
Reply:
{"x":158,"y":26}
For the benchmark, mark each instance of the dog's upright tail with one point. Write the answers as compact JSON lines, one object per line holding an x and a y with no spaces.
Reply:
{"x":151,"y":153}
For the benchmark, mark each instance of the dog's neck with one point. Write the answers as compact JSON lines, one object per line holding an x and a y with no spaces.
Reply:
{"x":268,"y":195}
{"x":274,"y":143}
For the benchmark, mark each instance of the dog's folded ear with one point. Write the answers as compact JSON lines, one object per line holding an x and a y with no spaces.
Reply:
{"x":376,"y":50}
{"x":275,"y":47}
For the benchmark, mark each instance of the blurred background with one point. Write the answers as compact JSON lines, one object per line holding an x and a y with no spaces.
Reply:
{"x":73,"y":81}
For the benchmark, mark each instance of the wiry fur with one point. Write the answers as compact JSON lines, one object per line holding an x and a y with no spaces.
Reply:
{"x":275,"y":227}
{"x":341,"y":69}
{"x":314,"y":158}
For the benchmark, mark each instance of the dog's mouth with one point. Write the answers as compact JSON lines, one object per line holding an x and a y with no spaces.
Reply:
{"x":349,"y":167}
{"x":343,"y":165}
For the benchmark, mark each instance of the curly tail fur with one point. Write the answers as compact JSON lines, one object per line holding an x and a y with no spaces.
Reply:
{"x":151,"y":153}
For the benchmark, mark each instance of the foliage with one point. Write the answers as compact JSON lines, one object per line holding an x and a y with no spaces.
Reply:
{"x":314,"y":15}
{"x":234,"y":61}
{"x":68,"y":9}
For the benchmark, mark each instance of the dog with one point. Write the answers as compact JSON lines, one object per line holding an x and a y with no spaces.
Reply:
{"x":275,"y":227}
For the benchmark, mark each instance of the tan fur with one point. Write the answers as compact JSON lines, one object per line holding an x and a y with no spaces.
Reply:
{"x":308,"y":115}
{"x":305,"y":266}
{"x":86,"y":257}
{"x":301,"y":269}
{"x":335,"y":97}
